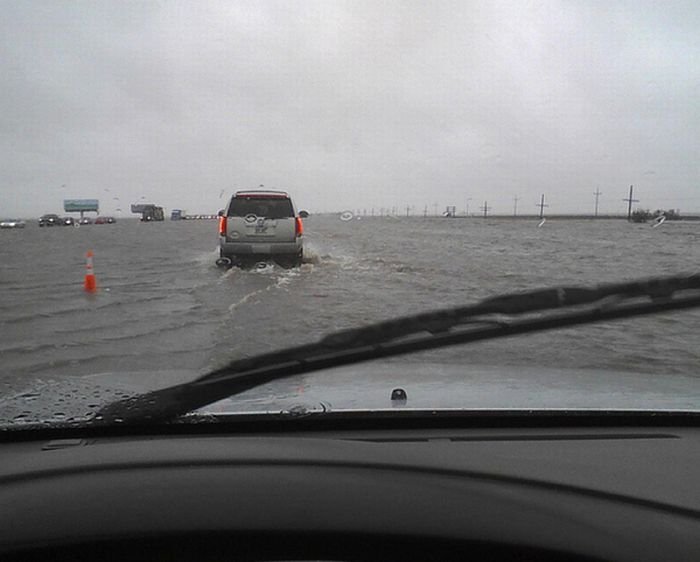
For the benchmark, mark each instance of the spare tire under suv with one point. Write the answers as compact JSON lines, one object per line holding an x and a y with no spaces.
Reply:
{"x":260,"y":226}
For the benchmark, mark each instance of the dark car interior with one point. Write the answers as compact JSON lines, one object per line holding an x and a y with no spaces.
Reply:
{"x":424,"y":487}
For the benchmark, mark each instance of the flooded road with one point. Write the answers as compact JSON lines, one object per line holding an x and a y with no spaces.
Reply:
{"x":162,"y":304}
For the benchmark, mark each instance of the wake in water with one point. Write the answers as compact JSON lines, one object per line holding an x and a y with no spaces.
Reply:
{"x":311,"y":257}
{"x":272,"y":276}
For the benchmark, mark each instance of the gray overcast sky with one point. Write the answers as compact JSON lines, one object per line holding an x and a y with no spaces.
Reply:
{"x":353,"y":104}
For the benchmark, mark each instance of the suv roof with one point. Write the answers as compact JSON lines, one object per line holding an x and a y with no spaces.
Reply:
{"x":262,"y":193}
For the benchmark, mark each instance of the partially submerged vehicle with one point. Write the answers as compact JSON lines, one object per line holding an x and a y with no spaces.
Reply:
{"x":260,"y":225}
{"x":50,"y":219}
{"x":149,"y":212}
{"x":13,"y":223}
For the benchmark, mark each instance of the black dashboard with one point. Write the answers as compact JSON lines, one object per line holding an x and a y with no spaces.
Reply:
{"x":600,"y":492}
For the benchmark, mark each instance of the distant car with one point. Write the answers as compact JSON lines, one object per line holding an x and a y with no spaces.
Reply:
{"x":50,"y":220}
{"x":260,"y":225}
{"x":105,"y":220}
{"x":12,"y":223}
{"x":68,"y":221}
{"x":85,"y":220}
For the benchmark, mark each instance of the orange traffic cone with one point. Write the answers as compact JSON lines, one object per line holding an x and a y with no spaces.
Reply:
{"x":90,"y":284}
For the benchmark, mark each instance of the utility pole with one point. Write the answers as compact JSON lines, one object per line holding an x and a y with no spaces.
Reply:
{"x":541,"y":205}
{"x":486,"y":209}
{"x":466,"y":209}
{"x":515,"y":205}
{"x":435,"y":209}
{"x":629,"y":206}
{"x":597,"y":194}
{"x":425,"y":211}
{"x":408,"y":210}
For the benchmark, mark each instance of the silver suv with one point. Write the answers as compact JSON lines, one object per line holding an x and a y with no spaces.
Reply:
{"x":260,"y":225}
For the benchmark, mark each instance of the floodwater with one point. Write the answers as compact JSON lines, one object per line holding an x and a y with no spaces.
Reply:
{"x":163,"y":304}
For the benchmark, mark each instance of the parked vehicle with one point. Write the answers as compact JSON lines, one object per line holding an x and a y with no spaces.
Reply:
{"x":13,"y":223}
{"x":260,"y":225}
{"x":50,"y":220}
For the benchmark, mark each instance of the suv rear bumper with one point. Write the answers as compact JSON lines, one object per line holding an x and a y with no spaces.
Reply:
{"x":229,"y":249}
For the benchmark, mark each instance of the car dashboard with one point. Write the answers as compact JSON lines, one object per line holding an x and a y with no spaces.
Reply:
{"x":318,"y":490}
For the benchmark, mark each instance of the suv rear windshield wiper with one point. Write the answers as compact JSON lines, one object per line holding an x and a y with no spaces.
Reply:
{"x":500,"y":316}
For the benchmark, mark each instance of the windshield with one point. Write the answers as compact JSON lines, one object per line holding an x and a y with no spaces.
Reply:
{"x":433,"y":156}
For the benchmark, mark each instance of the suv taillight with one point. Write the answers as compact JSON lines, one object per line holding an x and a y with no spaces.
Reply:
{"x":298,"y":226}
{"x":222,"y":226}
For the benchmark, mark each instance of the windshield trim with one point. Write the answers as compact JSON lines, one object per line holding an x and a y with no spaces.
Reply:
{"x":371,"y":420}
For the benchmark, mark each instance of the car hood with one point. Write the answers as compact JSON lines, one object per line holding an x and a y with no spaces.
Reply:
{"x":369,"y":387}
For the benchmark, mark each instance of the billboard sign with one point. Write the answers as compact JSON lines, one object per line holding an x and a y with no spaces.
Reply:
{"x":81,"y":205}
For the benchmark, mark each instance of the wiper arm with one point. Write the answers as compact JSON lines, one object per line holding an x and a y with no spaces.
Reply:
{"x":501,"y":316}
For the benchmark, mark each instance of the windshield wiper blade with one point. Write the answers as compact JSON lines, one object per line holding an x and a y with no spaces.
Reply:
{"x":500,"y":316}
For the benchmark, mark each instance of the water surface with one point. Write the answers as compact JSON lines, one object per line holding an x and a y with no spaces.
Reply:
{"x":162,"y":303}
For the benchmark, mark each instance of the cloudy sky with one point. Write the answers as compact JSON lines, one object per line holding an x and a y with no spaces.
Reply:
{"x":350,"y":104}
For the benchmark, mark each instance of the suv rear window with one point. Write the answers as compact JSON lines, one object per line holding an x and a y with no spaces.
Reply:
{"x":272,"y":208}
